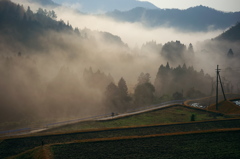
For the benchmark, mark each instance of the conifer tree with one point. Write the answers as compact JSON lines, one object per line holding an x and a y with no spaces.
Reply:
{"x":230,"y":53}
{"x":190,"y":48}
{"x":123,"y":90}
{"x":144,"y":92}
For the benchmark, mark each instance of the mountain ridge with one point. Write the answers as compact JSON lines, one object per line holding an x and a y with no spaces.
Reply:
{"x":232,"y":34}
{"x":199,"y":18}
{"x":44,"y":2}
{"x":104,"y":5}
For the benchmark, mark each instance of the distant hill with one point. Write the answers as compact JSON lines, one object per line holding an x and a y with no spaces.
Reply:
{"x":102,"y":6}
{"x":232,"y":34}
{"x":44,"y":2}
{"x":198,"y":18}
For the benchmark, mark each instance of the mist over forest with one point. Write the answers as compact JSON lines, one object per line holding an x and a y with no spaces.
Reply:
{"x":59,"y":64}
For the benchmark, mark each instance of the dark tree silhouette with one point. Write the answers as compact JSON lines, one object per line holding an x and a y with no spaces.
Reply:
{"x":143,"y":78}
{"x":190,"y":48}
{"x":193,"y":117}
{"x":124,"y":98}
{"x":173,"y":51}
{"x":123,"y":90}
{"x":144,"y":94}
{"x":151,"y":47}
{"x":97,"y":79}
{"x":193,"y":93}
{"x":162,"y":79}
{"x":144,"y":91}
{"x":170,"y":80}
{"x":112,"y":97}
{"x":177,"y":96}
{"x":116,"y":98}
{"x":230,"y":53}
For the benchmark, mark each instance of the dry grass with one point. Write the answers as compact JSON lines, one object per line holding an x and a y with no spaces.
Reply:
{"x":226,"y":107}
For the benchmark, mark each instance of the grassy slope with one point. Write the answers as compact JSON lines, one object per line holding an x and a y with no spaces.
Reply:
{"x":162,"y":116}
{"x":205,"y":145}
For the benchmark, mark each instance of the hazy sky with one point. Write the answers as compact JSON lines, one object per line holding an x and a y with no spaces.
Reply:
{"x":223,"y":5}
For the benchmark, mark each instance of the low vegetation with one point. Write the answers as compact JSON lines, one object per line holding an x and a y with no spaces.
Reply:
{"x":14,"y":146}
{"x":220,"y":144}
{"x":172,"y":114}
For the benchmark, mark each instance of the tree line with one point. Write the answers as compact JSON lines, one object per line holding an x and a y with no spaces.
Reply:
{"x":170,"y":84}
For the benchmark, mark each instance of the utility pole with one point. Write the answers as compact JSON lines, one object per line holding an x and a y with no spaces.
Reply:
{"x":222,"y":87}
{"x":218,"y":70}
{"x":218,"y":76}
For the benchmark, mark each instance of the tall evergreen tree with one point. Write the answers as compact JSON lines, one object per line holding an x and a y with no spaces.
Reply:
{"x":123,"y":90}
{"x":144,"y":92}
{"x":112,"y":97}
{"x":144,"y":78}
{"x":169,"y":81}
{"x":167,"y":66}
{"x":116,"y":97}
{"x":230,"y":53}
{"x":190,"y":48}
{"x":173,"y":51}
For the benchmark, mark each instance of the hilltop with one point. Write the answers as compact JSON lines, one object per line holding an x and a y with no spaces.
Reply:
{"x":45,"y":2}
{"x":199,"y":18}
{"x":232,"y":34}
{"x":102,"y":6}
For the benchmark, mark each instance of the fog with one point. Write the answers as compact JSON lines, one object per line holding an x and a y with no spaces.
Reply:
{"x":46,"y":82}
{"x":134,"y":34}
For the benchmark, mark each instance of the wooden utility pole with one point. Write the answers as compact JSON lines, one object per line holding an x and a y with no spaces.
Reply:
{"x":218,"y":77}
{"x":218,"y":70}
{"x":222,"y":87}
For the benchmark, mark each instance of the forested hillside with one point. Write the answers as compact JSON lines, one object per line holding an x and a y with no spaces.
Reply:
{"x":42,"y":61}
{"x":232,"y":34}
{"x":27,"y":28}
{"x":182,"y":81}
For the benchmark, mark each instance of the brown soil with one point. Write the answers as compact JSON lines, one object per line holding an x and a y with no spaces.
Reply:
{"x":226,"y":107}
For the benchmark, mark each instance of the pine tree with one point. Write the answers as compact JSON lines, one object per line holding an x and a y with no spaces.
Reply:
{"x":123,"y":90}
{"x":167,"y":66}
{"x":230,"y":53}
{"x":143,"y":78}
{"x":112,"y":97}
{"x":144,"y":91}
{"x":144,"y":94}
{"x":190,"y":48}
